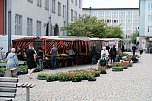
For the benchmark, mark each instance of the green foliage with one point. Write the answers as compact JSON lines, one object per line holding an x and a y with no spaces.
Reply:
{"x":23,"y":68}
{"x":38,"y":68}
{"x":2,"y":70}
{"x":134,"y":38}
{"x":114,"y":32}
{"x":92,"y":27}
{"x":52,"y":77}
{"x":43,"y":75}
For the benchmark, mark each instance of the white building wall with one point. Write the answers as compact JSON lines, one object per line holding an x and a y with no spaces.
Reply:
{"x":128,"y":19}
{"x":75,"y":8}
{"x":30,"y":10}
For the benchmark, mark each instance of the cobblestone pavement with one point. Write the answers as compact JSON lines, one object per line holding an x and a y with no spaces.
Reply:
{"x":132,"y":84}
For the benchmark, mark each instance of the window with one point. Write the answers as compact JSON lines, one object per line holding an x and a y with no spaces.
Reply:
{"x":79,"y":3}
{"x":72,"y":1}
{"x":29,"y":26}
{"x":122,"y":20}
{"x":38,"y":28}
{"x":149,"y":6}
{"x":18,"y":24}
{"x":115,"y":13}
{"x":47,"y":5}
{"x":31,"y":1}
{"x":122,"y":13}
{"x":107,"y":13}
{"x":75,"y":14}
{"x":59,"y":8}
{"x":71,"y":14}
{"x":129,"y":13}
{"x":64,"y":10}
{"x":53,"y":6}
{"x":76,"y":2}
{"x":39,"y":3}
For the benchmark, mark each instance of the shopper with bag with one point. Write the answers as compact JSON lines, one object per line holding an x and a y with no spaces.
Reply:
{"x":104,"y":57}
{"x":12,"y":64}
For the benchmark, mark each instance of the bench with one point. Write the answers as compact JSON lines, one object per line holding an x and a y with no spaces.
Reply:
{"x":8,"y":88}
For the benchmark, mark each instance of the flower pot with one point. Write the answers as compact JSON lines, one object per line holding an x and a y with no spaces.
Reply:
{"x":41,"y":78}
{"x":92,"y":79}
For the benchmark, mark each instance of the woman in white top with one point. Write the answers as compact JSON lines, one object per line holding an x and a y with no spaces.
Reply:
{"x":104,"y":54}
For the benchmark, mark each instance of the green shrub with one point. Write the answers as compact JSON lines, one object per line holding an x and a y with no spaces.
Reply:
{"x":102,"y":70}
{"x":23,"y":68}
{"x":2,"y":70}
{"x":52,"y":77}
{"x":42,"y":76}
{"x":38,"y":68}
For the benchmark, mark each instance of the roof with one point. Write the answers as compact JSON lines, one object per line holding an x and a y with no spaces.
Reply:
{"x":68,"y":38}
{"x":110,"y":8}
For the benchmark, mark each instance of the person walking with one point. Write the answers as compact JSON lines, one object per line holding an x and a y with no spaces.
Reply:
{"x":31,"y":60}
{"x":141,"y":50}
{"x":113,"y":54}
{"x":134,"y":49}
{"x":53,"y":52}
{"x":12,"y":64}
{"x":40,"y":57}
{"x":122,"y":48}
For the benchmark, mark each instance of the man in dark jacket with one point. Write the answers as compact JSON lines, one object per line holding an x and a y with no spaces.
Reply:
{"x":134,"y":49}
{"x":113,"y":54}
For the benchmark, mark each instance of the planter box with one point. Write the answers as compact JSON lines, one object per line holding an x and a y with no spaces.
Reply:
{"x":117,"y":69}
{"x":41,"y":78}
{"x":22,"y":72}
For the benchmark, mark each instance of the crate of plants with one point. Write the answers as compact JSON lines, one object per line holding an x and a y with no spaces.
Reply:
{"x":22,"y":69}
{"x":2,"y":72}
{"x":117,"y":67}
{"x":42,"y":76}
{"x":102,"y":69}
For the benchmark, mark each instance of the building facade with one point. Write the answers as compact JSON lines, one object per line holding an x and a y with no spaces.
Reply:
{"x":127,"y":18}
{"x":39,"y":17}
{"x":145,"y":29}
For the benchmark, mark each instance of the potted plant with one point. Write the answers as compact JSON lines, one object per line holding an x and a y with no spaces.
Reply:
{"x":23,"y":69}
{"x":102,"y":70}
{"x":2,"y":72}
{"x":91,"y":78}
{"x":52,"y":77}
{"x":42,"y":76}
{"x":117,"y":68}
{"x":38,"y":68}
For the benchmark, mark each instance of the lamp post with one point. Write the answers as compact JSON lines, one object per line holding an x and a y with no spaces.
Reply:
{"x":9,"y":23}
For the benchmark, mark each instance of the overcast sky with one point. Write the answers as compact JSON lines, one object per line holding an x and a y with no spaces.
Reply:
{"x":110,"y":3}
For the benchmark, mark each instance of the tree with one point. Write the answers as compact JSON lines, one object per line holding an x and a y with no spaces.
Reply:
{"x":92,"y":27}
{"x":114,"y":32}
{"x":134,"y":38}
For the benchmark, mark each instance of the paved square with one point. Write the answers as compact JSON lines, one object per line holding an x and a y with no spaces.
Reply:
{"x":132,"y":84}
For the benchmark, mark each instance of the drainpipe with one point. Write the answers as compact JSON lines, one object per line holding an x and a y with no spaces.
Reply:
{"x":50,"y":22}
{"x":5,"y":16}
{"x":67,"y":11}
{"x":9,"y":23}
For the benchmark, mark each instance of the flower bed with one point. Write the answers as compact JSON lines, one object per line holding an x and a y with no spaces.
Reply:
{"x":74,"y":75}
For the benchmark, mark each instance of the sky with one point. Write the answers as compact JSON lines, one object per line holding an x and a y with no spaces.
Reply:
{"x":111,"y":3}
